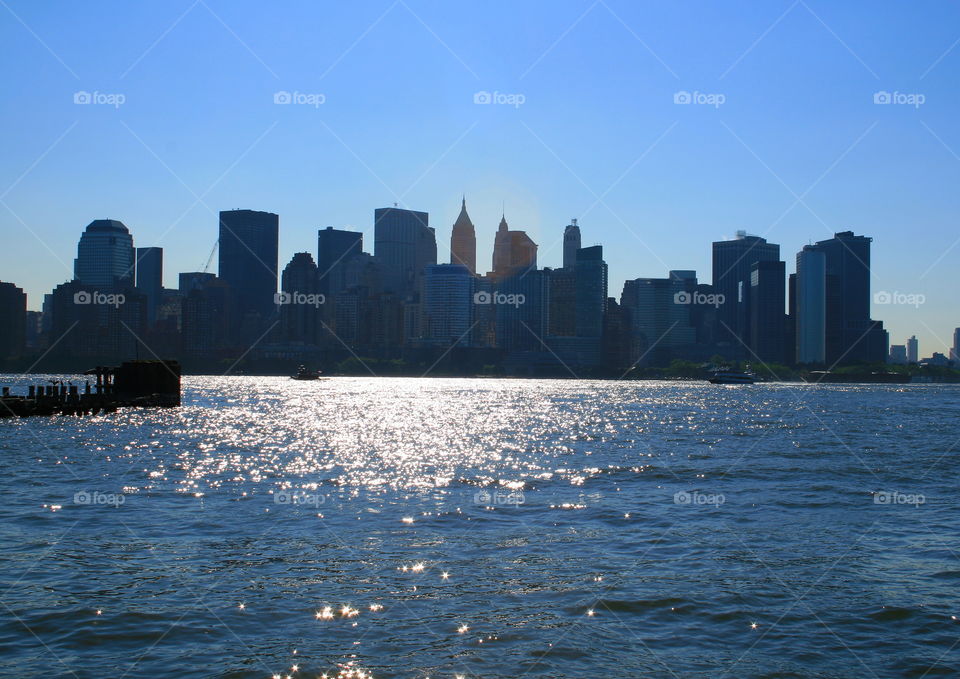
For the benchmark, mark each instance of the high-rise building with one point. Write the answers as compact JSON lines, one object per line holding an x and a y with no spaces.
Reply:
{"x":562,"y":312}
{"x":851,"y":335}
{"x":513,"y":251}
{"x":955,"y":352}
{"x":150,"y":278}
{"x":659,"y":313}
{"x":811,"y":305}
{"x":463,"y":241}
{"x":732,"y":265}
{"x":521,"y":325}
{"x":571,"y":243}
{"x":248,"y":259}
{"x":767,"y":317}
{"x":404,"y":244}
{"x":300,"y":301}
{"x":913,"y":350}
{"x":105,"y":255}
{"x":13,"y":321}
{"x":898,"y":354}
{"x":447,"y":303}
{"x":590,"y":283}
{"x":335,"y":249}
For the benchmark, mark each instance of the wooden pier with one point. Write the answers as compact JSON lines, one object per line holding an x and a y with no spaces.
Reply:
{"x":144,"y":384}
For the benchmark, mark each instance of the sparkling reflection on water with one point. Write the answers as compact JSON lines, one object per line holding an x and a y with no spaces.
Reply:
{"x":504,"y":528}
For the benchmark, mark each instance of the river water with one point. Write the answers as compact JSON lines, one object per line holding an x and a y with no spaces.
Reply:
{"x":418,"y":528}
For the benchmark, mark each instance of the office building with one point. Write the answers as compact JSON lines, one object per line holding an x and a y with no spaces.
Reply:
{"x":249,"y":260}
{"x":105,"y":255}
{"x":463,"y":241}
{"x":300,"y":300}
{"x":733,"y":262}
{"x":514,"y":252}
{"x":767,"y":317}
{"x":13,"y":321}
{"x":898,"y":354}
{"x":913,"y":350}
{"x":811,"y":306}
{"x":335,"y":250}
{"x":404,"y":244}
{"x":446,"y":305}
{"x":571,"y":243}
{"x":150,"y":279}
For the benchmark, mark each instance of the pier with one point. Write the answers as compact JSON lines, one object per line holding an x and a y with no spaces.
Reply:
{"x":143,"y":384}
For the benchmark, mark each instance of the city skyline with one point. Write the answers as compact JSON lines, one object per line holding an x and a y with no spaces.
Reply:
{"x":819,"y":129}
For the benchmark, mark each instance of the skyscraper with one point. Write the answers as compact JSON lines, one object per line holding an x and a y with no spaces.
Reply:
{"x":13,"y":320}
{"x":248,"y":259}
{"x":150,"y":278}
{"x":571,"y":243}
{"x":590,"y":283}
{"x":335,"y":249}
{"x":955,"y":352}
{"x":851,"y":335}
{"x":513,"y":251}
{"x":811,"y":305}
{"x":659,"y":318}
{"x":105,"y":255}
{"x":404,"y":244}
{"x":767,"y":317}
{"x":301,"y":300}
{"x":732,"y":264}
{"x":447,"y":304}
{"x":913,"y":350}
{"x":463,"y":241}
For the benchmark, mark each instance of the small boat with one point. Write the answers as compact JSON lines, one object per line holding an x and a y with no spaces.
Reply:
{"x":727,"y":376}
{"x":304,"y":374}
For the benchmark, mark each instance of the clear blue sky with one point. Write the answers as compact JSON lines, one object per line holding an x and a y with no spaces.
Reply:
{"x":797,"y":150}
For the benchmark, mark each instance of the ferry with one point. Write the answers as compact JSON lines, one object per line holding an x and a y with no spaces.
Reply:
{"x":727,"y":376}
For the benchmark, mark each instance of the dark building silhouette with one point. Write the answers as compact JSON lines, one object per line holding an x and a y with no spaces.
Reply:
{"x":404,"y":244}
{"x":732,"y":263}
{"x":447,"y":305}
{"x":206,"y":307}
{"x":194,"y":280}
{"x":522,"y":326}
{"x":105,"y":255}
{"x":811,"y":306}
{"x":98,"y":322}
{"x":851,"y":336}
{"x":660,"y":316}
{"x":150,"y":279}
{"x":590,"y":274}
{"x":248,"y":262}
{"x":13,"y":321}
{"x":301,"y":301}
{"x":571,"y":243}
{"x":463,"y":241}
{"x":767,"y":317}
{"x":335,"y":249}
{"x":562,"y":320}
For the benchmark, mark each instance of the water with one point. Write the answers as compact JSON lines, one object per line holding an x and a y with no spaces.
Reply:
{"x":479,"y":528}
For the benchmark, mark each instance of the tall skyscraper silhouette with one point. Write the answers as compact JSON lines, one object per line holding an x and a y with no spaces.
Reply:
{"x":767,"y":317}
{"x":851,"y":335}
{"x":404,"y":244}
{"x":732,"y":263}
{"x":105,"y":255}
{"x":13,"y":320}
{"x":571,"y":243}
{"x":463,"y":241}
{"x":811,"y":305}
{"x":955,"y":351}
{"x":913,"y":350}
{"x":300,"y":301}
{"x":335,"y":249}
{"x":248,"y":259}
{"x":150,"y":278}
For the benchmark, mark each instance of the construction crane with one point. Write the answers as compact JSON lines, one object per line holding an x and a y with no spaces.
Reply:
{"x":213,"y":251}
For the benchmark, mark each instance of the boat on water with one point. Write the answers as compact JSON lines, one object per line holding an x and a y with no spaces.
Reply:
{"x":304,"y":374}
{"x":727,"y":376}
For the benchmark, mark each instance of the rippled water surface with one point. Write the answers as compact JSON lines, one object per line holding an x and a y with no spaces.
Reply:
{"x":486,"y":528}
